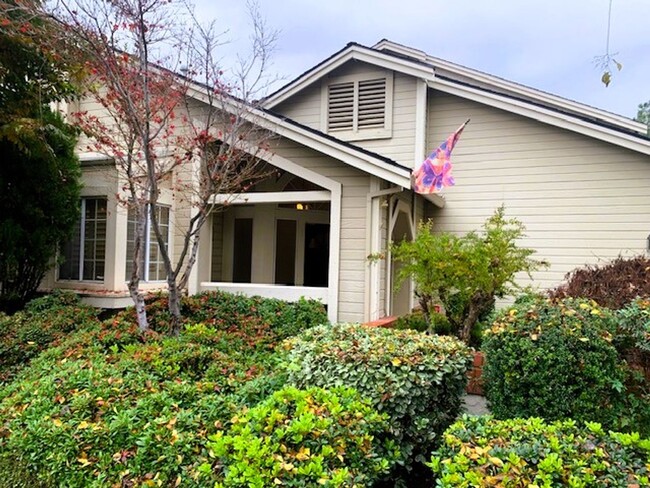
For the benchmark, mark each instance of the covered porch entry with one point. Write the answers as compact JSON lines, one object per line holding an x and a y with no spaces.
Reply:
{"x":278,"y":240}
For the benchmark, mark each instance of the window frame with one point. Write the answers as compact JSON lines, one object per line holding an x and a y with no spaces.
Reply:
{"x":147,"y":244}
{"x":355,"y":133}
{"x":81,"y":236}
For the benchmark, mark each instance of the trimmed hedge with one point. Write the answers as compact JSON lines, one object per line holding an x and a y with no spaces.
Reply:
{"x":305,"y":438}
{"x":555,"y":361}
{"x":481,"y":451}
{"x":417,"y":379}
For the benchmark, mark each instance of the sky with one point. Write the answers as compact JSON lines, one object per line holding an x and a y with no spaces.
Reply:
{"x":549,"y":45}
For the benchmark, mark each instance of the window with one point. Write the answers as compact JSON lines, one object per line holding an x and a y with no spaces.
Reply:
{"x":152,"y":266}
{"x":84,"y":254}
{"x":359,"y":108}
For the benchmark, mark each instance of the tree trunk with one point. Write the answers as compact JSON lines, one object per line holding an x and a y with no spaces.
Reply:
{"x":140,"y":310}
{"x":174,"y":307}
{"x":479,"y":303}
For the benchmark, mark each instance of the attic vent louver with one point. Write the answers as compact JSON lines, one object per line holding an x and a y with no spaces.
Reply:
{"x":356,"y":105}
{"x":341,"y":106}
{"x":372,"y":103}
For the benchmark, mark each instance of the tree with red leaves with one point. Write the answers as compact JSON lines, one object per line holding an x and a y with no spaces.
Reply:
{"x":189,"y":131}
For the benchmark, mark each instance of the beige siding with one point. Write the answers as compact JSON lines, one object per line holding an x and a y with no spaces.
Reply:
{"x":305,"y":108}
{"x":582,"y":200}
{"x":352,"y":260}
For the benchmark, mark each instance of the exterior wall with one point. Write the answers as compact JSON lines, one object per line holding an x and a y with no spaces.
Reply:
{"x":305,"y":108}
{"x":582,"y":200}
{"x":353,"y":238}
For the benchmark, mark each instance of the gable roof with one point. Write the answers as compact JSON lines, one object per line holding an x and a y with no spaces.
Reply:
{"x":481,"y":87}
{"x":355,"y":156}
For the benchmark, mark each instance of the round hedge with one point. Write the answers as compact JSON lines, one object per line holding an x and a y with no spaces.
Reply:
{"x":482,"y":451}
{"x":417,"y":379}
{"x":553,"y":360}
{"x":308,"y":437}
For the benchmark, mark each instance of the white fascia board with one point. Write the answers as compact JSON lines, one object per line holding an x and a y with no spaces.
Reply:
{"x":354,"y":52}
{"x":349,"y":155}
{"x":543,"y":115}
{"x":272,"y":197}
{"x":542,"y":97}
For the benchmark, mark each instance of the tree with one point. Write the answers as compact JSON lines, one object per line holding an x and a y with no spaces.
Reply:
{"x":39,"y":174}
{"x":156,"y":131}
{"x":461,"y":276}
{"x":643,"y":114}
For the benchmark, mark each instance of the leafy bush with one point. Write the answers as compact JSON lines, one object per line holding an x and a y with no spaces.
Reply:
{"x":553,"y":360}
{"x":108,"y":406}
{"x":45,"y":321}
{"x":413,"y":321}
{"x":305,"y":438}
{"x":612,"y":285}
{"x":39,"y":201}
{"x":464,"y":274}
{"x":417,"y":379}
{"x":481,"y":451}
{"x":227,"y":310}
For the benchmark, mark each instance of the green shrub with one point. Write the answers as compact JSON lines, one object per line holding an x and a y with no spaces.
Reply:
{"x":109,"y":406}
{"x":45,"y":321}
{"x":305,"y":438}
{"x":413,"y":321}
{"x":465,"y":274}
{"x":481,"y":451}
{"x":417,"y":379}
{"x":634,"y":323}
{"x":555,"y":361}
{"x":612,"y":285}
{"x":226,"y":311}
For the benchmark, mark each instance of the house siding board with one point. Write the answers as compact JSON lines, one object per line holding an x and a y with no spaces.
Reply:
{"x":305,"y":108}
{"x":582,"y":201}
{"x":355,"y":185}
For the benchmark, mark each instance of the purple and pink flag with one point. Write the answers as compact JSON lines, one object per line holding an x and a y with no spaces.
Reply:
{"x":435,"y":172}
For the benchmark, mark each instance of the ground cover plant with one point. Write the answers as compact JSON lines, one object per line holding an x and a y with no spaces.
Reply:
{"x":481,"y":451}
{"x":540,"y":351}
{"x":416,"y":378}
{"x":308,"y":437}
{"x":109,"y":406}
{"x":43,"y":323}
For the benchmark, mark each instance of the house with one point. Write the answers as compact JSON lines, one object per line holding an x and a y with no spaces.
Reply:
{"x":349,"y":131}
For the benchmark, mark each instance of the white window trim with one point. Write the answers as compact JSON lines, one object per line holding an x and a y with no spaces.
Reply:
{"x":82,"y":250}
{"x":359,"y":134}
{"x":147,"y":253}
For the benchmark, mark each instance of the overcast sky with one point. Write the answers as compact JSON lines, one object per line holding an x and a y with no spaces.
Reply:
{"x":545,"y":44}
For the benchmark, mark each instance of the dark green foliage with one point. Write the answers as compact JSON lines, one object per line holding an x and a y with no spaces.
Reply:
{"x":481,"y":451}
{"x":230,"y":311}
{"x":462,"y":275}
{"x":305,"y":438}
{"x":417,"y":379}
{"x":612,"y":285}
{"x":39,"y":204}
{"x":109,"y":406}
{"x":44,"y":323}
{"x":554,"y":360}
{"x":414,"y":321}
{"x":32,"y":71}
